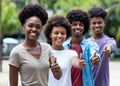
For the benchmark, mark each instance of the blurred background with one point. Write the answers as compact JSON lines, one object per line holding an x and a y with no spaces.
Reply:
{"x":12,"y":34}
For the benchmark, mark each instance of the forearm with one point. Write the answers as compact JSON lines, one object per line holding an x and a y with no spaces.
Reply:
{"x":13,"y":76}
{"x":13,"y":82}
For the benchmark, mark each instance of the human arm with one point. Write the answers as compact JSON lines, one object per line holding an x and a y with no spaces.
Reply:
{"x":13,"y":67}
{"x":55,"y":68}
{"x":78,"y":63}
{"x":13,"y":75}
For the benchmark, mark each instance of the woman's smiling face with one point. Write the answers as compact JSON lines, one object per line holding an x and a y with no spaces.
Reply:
{"x":58,"y":36}
{"x":32,"y":28}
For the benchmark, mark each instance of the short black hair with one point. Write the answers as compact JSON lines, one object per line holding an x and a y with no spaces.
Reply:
{"x":33,"y":10}
{"x":97,"y":12}
{"x":79,"y":15}
{"x":57,"y":21}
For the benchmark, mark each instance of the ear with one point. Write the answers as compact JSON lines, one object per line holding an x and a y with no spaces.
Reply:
{"x":90,"y":25}
{"x":104,"y":23}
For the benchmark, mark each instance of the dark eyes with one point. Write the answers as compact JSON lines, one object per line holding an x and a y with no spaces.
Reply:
{"x":96,"y":23}
{"x":36,"y":26}
{"x":56,"y":33}
{"x":75,"y":24}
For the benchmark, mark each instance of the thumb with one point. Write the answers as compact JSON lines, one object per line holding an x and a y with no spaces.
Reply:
{"x":80,"y":57}
{"x":94,"y":54}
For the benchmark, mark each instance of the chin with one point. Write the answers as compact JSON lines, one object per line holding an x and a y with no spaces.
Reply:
{"x":59,"y":44}
{"x":33,"y":39}
{"x":78,"y":35}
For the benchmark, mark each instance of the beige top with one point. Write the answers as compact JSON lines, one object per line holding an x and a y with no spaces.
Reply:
{"x":33,"y":72}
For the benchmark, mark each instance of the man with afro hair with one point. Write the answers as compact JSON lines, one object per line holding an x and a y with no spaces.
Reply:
{"x":79,"y":26}
{"x":105,"y":43}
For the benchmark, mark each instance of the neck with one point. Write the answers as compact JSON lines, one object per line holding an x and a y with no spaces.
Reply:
{"x":30,"y":43}
{"x":57,"y":47}
{"x":96,"y":37}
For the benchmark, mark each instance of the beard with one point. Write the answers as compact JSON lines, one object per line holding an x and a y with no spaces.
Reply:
{"x":78,"y":35}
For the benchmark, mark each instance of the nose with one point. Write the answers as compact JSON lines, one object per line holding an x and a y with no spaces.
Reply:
{"x":96,"y":24}
{"x":77,"y":25}
{"x":34,"y":29}
{"x":59,"y":35}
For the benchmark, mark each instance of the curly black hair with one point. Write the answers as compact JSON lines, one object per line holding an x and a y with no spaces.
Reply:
{"x":97,"y":12}
{"x":33,"y":10}
{"x":57,"y":21}
{"x":79,"y":15}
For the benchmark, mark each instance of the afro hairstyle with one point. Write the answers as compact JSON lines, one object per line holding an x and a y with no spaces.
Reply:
{"x":33,"y":10}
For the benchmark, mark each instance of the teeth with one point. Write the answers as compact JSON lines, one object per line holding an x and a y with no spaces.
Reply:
{"x":77,"y":30}
{"x":59,"y":40}
{"x":32,"y":34}
{"x":97,"y":28}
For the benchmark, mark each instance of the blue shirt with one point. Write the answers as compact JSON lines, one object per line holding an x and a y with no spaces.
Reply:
{"x":88,"y":48}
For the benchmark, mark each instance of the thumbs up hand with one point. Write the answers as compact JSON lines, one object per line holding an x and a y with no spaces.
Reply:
{"x":55,"y":68}
{"x":95,"y":60}
{"x":82,"y":63}
{"x":107,"y":50}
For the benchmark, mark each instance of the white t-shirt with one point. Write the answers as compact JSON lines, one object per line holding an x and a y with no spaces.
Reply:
{"x":64,"y":59}
{"x":33,"y":72}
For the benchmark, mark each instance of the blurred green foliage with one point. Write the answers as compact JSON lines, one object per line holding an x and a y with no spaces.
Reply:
{"x":9,"y":21}
{"x":11,"y":8}
{"x":118,"y":37}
